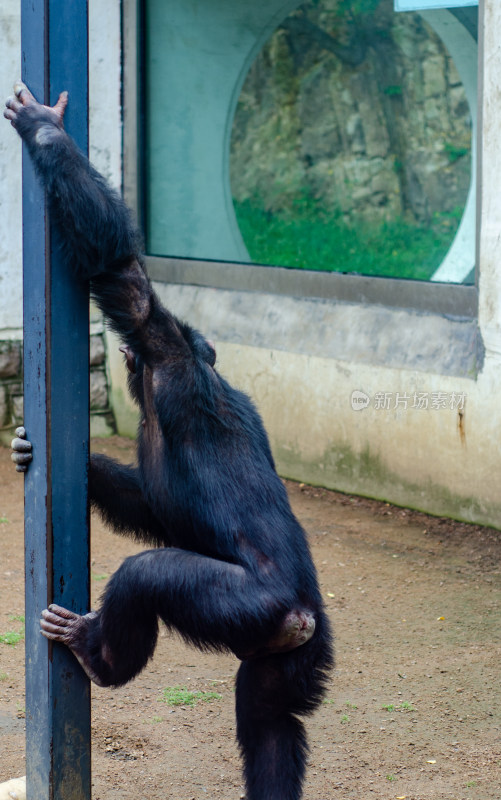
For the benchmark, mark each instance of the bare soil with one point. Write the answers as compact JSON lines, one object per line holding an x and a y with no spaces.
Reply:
{"x":414,"y":706}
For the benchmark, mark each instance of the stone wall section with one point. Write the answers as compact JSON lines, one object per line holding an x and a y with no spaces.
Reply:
{"x":11,"y":388}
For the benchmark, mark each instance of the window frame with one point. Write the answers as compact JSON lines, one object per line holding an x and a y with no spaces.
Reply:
{"x":458,"y":300}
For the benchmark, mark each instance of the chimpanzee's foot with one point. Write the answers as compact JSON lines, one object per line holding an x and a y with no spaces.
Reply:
{"x":75,"y":631}
{"x":296,"y":629}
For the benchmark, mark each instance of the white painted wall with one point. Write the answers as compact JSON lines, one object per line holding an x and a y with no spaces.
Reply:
{"x":10,"y":180}
{"x":105,"y":114}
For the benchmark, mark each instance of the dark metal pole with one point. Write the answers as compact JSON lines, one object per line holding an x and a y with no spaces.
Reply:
{"x":56,"y":412}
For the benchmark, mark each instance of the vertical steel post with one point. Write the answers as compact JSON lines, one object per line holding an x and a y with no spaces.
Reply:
{"x":56,"y":413}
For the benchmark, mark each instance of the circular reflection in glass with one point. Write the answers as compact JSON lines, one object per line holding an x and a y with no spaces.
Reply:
{"x":351,"y":143}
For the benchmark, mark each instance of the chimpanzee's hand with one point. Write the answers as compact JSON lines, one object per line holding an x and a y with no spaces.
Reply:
{"x":28,"y":116}
{"x":22,"y":454}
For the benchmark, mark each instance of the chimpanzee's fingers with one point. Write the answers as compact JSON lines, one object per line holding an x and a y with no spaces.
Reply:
{"x":21,"y":459}
{"x":21,"y":445}
{"x":23,"y":93}
{"x":61,"y":104}
{"x":22,"y":454}
{"x":13,"y":104}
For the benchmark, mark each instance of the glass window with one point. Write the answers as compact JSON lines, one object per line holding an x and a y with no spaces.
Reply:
{"x":336,"y":138}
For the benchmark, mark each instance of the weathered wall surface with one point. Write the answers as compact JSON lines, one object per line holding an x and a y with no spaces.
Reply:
{"x":10,"y":184}
{"x":413,"y":437}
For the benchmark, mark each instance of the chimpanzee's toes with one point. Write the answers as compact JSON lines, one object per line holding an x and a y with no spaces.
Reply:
{"x":63,"y":614}
{"x":51,"y":628}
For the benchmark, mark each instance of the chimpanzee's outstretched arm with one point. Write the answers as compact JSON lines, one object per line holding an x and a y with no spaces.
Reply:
{"x":100,"y":239}
{"x":221,"y":606}
{"x":114,"y":489}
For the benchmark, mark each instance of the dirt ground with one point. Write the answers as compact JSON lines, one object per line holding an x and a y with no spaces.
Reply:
{"x":414,"y":706}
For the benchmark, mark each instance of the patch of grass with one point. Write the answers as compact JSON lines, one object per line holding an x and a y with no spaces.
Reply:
{"x":3,"y":520}
{"x":404,"y":706}
{"x":11,"y":637}
{"x":345,"y":718}
{"x":471,"y":784}
{"x":391,"y":777}
{"x":97,"y":577}
{"x":351,"y":705}
{"x":3,"y":676}
{"x":305,"y":236}
{"x":181,"y":696}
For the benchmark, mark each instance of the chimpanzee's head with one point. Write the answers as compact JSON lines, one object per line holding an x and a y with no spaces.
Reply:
{"x":195,"y":348}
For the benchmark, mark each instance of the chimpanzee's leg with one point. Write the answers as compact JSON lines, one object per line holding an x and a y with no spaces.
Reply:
{"x":271,"y":737}
{"x":211,"y":603}
{"x":271,"y":693}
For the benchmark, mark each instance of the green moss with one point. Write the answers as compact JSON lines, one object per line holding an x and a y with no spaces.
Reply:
{"x":367,"y":474}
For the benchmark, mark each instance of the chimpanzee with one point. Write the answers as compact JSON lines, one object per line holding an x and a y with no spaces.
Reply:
{"x":231,"y":568}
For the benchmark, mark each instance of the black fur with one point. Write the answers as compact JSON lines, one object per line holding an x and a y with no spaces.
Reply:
{"x":231,"y":559}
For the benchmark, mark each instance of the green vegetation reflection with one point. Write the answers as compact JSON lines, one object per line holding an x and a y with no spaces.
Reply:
{"x":308,"y":237}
